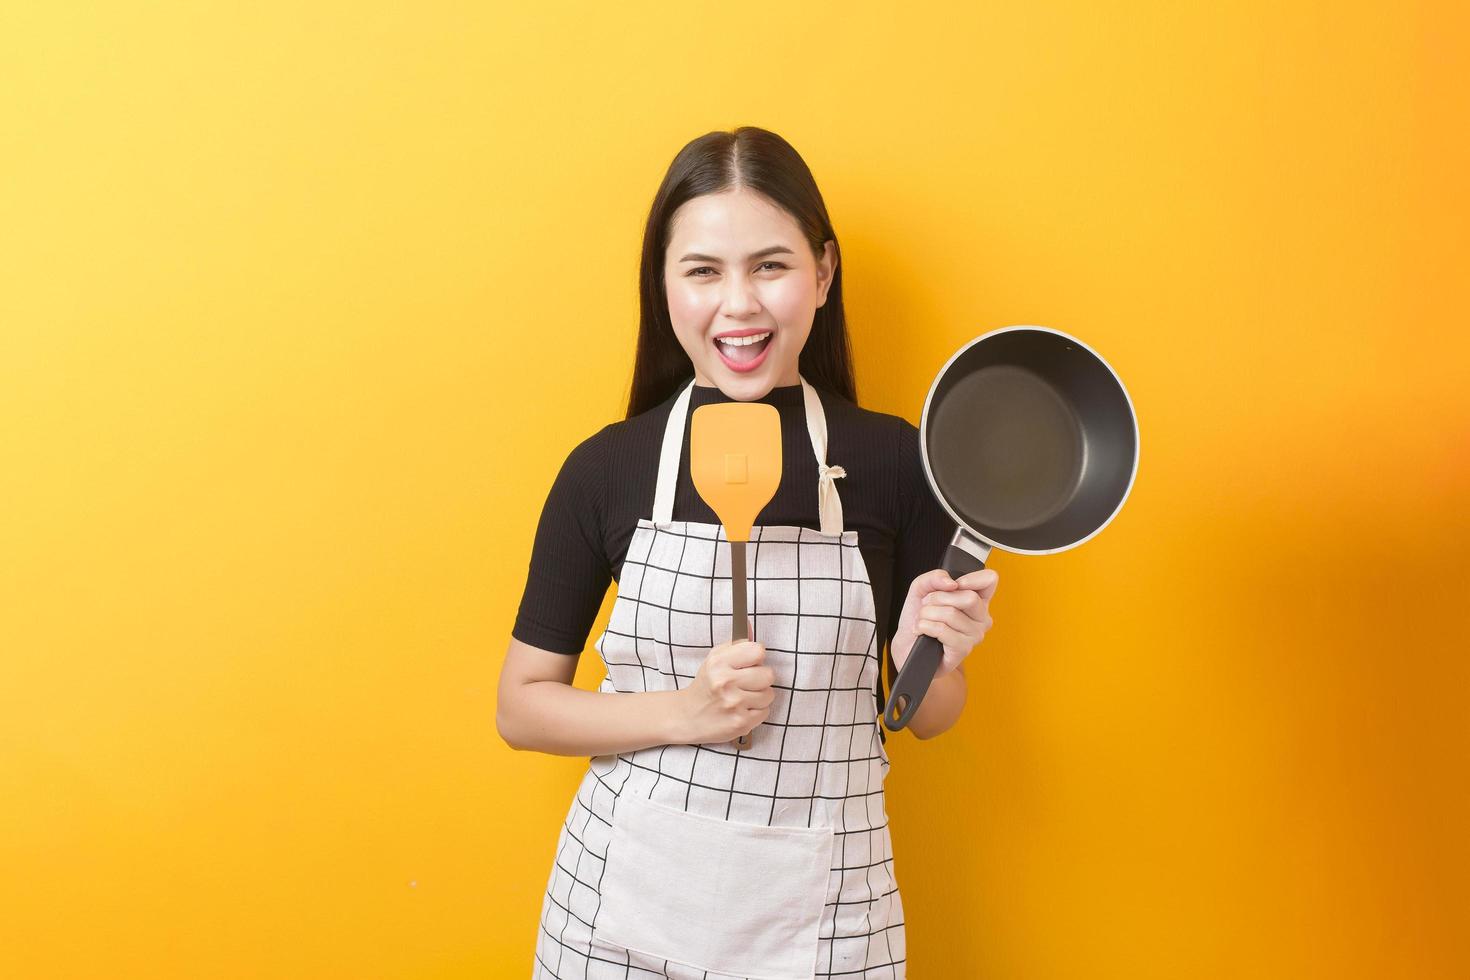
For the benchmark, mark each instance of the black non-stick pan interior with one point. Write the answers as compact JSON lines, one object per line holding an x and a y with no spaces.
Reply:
{"x":1030,"y":440}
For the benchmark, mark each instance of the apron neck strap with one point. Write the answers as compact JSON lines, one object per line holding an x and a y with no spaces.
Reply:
{"x":829,"y":504}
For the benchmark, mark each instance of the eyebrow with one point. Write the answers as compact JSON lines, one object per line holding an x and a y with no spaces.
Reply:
{"x":774,"y":249}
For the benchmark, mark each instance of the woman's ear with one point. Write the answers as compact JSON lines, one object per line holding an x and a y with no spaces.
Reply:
{"x":826,"y":268}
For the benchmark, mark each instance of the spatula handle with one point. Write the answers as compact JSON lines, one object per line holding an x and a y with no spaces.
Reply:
{"x":739,"y":625}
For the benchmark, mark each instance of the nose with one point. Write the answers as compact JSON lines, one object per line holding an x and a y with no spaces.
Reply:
{"x":740,"y":299}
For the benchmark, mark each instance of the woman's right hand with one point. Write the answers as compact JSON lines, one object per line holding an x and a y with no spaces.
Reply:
{"x":730,"y":695}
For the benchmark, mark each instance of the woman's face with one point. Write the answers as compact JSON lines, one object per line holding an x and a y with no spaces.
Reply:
{"x":737,"y":264}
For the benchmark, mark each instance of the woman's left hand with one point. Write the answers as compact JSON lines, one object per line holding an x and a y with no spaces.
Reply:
{"x":956,"y":612}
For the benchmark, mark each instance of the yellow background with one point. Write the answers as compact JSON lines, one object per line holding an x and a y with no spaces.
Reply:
{"x":303,"y":305}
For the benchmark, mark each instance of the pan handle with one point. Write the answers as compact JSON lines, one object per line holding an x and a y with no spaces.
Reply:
{"x":963,"y":556}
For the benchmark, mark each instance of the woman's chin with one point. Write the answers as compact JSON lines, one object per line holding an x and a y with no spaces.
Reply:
{"x":749,"y":386}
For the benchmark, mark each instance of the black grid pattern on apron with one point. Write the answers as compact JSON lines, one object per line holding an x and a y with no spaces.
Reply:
{"x":817,"y":761}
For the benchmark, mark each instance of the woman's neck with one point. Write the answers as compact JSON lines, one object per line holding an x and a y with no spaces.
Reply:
{"x":781,"y":395}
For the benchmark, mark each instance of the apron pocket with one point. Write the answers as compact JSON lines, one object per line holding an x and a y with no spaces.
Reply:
{"x":718,"y":895}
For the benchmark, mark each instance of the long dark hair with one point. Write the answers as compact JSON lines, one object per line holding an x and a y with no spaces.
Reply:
{"x":757,"y":159}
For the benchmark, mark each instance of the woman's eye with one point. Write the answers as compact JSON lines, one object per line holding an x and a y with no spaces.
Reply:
{"x":705,"y":268}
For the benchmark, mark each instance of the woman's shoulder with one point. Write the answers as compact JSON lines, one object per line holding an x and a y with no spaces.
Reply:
{"x":629,"y":435}
{"x":622,"y":441}
{"x":864,"y":422}
{"x":880,"y":452}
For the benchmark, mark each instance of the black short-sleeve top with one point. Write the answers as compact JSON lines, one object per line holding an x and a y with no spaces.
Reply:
{"x":607,"y":484}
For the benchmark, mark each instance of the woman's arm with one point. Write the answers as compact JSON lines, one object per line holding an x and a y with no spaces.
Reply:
{"x":538,"y":709}
{"x":956,"y":612}
{"x":942,"y":706}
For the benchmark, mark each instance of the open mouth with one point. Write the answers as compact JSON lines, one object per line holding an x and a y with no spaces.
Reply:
{"x":744,"y":353}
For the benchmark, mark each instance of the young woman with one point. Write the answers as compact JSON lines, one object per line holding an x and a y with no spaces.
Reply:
{"x":682,"y":855}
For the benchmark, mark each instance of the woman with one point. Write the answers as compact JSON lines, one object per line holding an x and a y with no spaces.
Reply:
{"x":681,"y":855}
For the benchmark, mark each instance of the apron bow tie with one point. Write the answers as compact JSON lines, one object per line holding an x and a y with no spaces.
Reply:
{"x":829,"y":505}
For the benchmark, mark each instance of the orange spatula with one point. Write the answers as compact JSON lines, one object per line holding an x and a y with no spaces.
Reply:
{"x":735,"y":462}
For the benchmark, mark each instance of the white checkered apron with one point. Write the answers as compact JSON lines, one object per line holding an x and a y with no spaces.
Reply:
{"x":816,"y":762}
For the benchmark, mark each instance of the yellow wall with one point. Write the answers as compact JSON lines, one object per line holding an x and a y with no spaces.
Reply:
{"x":303,"y":305}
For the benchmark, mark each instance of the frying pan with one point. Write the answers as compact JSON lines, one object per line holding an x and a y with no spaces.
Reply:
{"x":1030,"y":443}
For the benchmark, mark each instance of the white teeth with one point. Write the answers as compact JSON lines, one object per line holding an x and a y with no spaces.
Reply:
{"x":744,"y":341}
